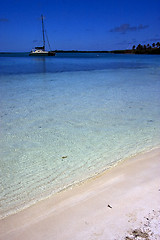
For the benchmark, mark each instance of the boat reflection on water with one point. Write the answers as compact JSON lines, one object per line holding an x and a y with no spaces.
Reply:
{"x":40,"y":63}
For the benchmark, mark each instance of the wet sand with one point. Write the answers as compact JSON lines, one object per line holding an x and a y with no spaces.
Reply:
{"x":121,"y":203}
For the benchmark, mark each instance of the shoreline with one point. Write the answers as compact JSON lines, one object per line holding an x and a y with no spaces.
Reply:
{"x":154,"y":51}
{"x":79,"y":183}
{"x":79,"y":211}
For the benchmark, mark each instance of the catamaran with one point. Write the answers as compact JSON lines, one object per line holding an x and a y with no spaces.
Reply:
{"x":40,"y":51}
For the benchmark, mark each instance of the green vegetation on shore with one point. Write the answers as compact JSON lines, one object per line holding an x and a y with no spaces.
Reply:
{"x":147,"y":49}
{"x":140,"y":49}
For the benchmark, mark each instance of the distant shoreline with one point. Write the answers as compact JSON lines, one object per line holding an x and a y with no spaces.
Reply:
{"x":127,"y":51}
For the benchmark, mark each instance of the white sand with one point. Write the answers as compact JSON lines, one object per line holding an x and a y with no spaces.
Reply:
{"x":132,"y":189}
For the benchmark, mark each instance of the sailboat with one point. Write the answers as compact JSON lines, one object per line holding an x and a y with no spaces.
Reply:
{"x":41,"y":51}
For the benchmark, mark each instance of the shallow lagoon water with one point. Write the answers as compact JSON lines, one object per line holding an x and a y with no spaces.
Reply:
{"x":68,"y":118}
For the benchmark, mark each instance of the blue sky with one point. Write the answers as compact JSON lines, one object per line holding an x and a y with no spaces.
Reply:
{"x":79,"y":24}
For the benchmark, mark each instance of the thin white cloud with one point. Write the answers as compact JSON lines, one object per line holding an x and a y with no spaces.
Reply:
{"x":4,"y":20}
{"x":127,"y":27}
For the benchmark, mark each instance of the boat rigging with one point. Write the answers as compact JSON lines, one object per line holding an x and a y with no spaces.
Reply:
{"x":41,"y":51}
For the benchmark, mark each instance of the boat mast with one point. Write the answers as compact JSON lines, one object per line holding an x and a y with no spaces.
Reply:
{"x":43,"y":32}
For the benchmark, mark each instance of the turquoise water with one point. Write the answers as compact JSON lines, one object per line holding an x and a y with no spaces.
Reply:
{"x":64,"y":119}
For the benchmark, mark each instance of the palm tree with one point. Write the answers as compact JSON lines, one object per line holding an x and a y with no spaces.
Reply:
{"x":139,"y":47}
{"x":158,"y":44}
{"x":153,"y":45}
{"x":148,"y":46}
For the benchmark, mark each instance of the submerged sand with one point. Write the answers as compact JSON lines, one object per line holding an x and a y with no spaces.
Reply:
{"x":122,"y":203}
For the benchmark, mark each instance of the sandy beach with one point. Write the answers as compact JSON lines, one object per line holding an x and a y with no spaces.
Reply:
{"x":121,"y":203}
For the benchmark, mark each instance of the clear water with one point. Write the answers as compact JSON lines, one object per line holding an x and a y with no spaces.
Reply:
{"x":64,"y":119}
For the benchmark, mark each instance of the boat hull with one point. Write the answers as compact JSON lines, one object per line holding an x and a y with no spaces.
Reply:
{"x":50,"y":53}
